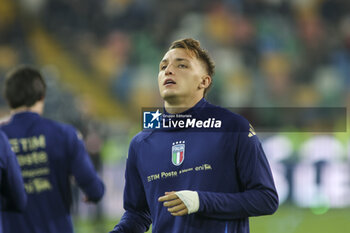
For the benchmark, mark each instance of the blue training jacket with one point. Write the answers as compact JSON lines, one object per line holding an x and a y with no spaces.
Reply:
{"x":226,"y":166}
{"x":12,"y":193}
{"x":49,"y":153}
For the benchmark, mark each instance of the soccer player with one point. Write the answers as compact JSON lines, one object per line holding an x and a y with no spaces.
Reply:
{"x":195,"y":181}
{"x":12,"y":193}
{"x":49,"y":154}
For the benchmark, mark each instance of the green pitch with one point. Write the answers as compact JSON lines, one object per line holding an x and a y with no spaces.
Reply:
{"x":296,"y":220}
{"x":288,"y":219}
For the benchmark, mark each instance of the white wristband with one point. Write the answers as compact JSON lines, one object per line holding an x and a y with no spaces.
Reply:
{"x":190,"y":199}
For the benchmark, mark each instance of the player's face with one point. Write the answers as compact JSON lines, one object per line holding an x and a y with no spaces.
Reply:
{"x":180,"y":75}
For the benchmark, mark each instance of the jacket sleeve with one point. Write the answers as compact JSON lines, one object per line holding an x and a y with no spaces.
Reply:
{"x":136,"y":218}
{"x":82,"y":168}
{"x":14,"y":197}
{"x":257,"y":196}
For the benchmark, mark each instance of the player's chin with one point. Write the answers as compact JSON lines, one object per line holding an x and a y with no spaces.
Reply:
{"x":168,"y":94}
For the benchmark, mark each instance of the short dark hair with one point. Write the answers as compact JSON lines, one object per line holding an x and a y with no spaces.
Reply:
{"x":194,"y":46}
{"x":24,"y":86}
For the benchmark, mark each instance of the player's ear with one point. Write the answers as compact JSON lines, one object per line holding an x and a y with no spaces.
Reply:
{"x":205,"y":82}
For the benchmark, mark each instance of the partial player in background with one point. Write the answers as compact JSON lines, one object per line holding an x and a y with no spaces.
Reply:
{"x":49,"y":154}
{"x":195,"y":181}
{"x":12,"y":194}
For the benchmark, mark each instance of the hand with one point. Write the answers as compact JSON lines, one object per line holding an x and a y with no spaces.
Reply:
{"x":175,"y":205}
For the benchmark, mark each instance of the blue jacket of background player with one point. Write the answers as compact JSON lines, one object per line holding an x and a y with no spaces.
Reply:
{"x":226,"y":166}
{"x":49,"y":153}
{"x":12,"y":193}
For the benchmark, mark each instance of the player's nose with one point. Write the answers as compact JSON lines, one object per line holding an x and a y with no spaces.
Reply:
{"x":169,"y":70}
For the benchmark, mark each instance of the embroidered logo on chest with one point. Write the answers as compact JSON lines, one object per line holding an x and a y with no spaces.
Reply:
{"x":178,"y":153}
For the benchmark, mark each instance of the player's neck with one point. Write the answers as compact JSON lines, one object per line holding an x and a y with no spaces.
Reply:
{"x":180,"y":105}
{"x":38,"y":107}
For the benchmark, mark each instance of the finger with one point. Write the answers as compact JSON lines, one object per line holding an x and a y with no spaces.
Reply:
{"x":168,"y":197}
{"x":172,"y":203}
{"x":180,"y":213}
{"x":169,"y":193}
{"x":177,"y":208}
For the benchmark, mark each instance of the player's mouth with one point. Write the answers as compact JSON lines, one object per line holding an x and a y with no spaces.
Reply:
{"x":169,"y":82}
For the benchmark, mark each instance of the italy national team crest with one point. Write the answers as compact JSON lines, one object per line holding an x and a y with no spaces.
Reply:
{"x":178,"y":152}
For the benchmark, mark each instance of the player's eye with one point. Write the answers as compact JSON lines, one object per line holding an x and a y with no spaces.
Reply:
{"x":182,"y":66}
{"x":163,"y":67}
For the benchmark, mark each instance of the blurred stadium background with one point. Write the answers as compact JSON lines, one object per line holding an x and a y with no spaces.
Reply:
{"x":100,"y":60}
